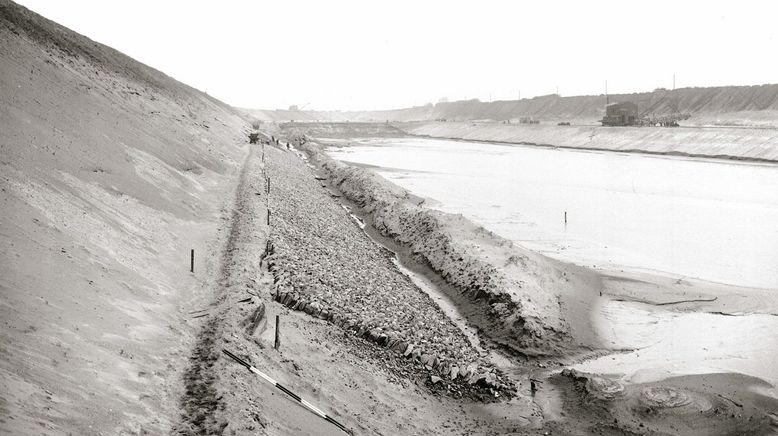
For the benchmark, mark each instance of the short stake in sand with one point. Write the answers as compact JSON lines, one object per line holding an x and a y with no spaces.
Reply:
{"x":191,"y":261}
{"x":278,"y":334}
{"x":307,"y":405}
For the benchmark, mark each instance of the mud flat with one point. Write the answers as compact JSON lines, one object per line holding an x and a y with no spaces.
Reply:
{"x":711,"y":404}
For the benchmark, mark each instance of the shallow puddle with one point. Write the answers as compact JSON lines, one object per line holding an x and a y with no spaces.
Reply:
{"x":667,"y":343}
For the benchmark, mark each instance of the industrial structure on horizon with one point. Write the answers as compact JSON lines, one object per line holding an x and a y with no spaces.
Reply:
{"x":620,"y":114}
{"x":626,"y":114}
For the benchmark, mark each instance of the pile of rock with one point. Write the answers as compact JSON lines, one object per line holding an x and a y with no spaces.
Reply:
{"x":472,"y":373}
{"x":323,"y":264}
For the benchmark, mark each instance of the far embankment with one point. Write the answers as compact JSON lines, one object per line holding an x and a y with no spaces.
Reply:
{"x":341,"y":130}
{"x":737,"y":143}
{"x":754,"y":106}
{"x":753,"y":144}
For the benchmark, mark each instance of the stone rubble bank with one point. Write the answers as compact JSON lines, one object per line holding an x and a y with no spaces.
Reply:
{"x":517,"y":303}
{"x":323,"y":264}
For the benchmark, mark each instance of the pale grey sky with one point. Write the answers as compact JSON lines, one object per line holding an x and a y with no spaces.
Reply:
{"x":365,"y":54}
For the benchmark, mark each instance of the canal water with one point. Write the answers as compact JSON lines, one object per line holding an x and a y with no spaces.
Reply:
{"x":714,"y":220}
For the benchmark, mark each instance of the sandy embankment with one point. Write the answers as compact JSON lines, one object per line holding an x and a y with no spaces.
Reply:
{"x":110,"y":173}
{"x":326,"y":266}
{"x":753,"y":144}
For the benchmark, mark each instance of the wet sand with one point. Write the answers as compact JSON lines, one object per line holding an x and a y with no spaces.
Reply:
{"x":677,"y":326}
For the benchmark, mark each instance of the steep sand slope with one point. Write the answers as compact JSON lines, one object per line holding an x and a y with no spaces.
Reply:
{"x":110,"y":172}
{"x":758,"y":144}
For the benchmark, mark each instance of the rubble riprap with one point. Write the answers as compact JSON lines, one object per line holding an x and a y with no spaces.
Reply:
{"x":325,"y":265}
{"x":514,"y":290}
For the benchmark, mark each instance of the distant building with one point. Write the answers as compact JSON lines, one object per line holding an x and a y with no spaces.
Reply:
{"x":293,"y":107}
{"x":620,"y":114}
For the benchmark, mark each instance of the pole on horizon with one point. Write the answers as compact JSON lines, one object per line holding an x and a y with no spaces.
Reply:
{"x":607,"y":100}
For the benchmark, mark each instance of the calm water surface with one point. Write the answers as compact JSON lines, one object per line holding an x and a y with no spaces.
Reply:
{"x":708,"y":219}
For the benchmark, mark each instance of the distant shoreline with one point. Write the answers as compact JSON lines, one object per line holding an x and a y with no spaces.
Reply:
{"x":707,"y":143}
{"x":631,"y":151}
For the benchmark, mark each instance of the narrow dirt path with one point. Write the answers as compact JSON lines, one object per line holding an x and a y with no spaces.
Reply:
{"x":201,"y":398}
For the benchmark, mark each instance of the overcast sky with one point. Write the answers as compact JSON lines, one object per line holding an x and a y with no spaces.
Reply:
{"x":374,"y":55}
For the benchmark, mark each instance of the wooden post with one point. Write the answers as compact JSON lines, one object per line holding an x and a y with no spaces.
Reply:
{"x":268,"y":217}
{"x":191,"y":261}
{"x":275,"y":345}
{"x":565,"y":217}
